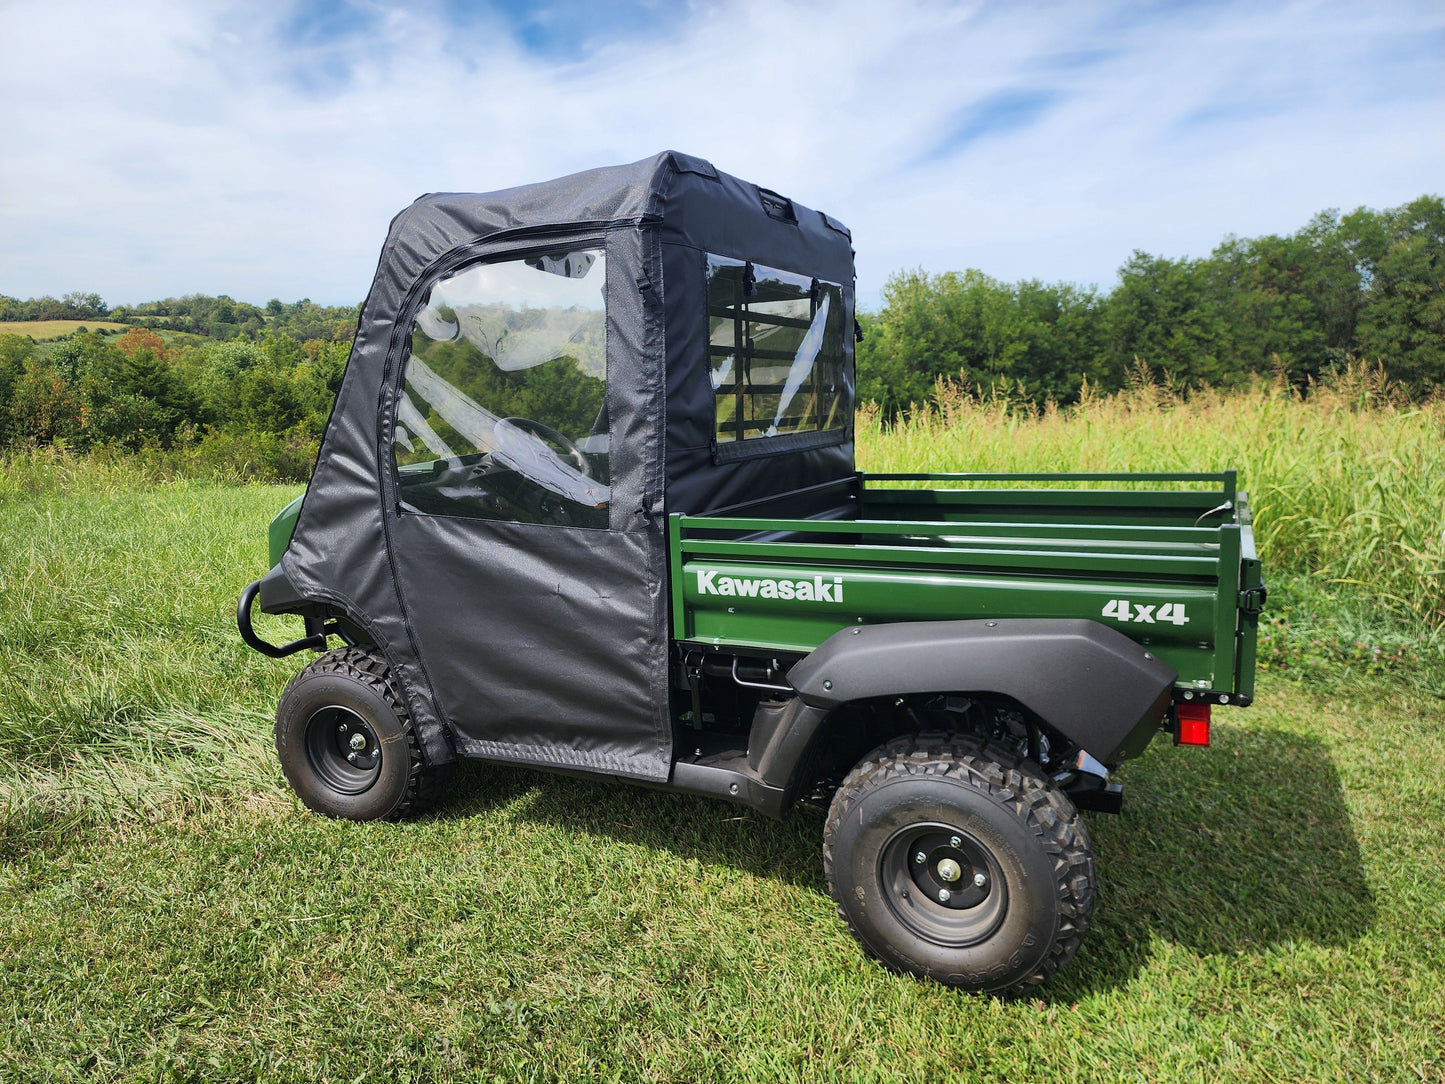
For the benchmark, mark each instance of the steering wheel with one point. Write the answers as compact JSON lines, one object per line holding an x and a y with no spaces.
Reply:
{"x":574,"y":455}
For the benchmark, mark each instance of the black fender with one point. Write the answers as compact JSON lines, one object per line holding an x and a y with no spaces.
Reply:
{"x":279,"y":594}
{"x":1094,"y":685}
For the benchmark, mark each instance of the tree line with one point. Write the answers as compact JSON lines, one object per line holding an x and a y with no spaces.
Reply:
{"x":252,"y":407}
{"x":222,"y":318}
{"x":73,"y":306}
{"x":1368,"y":285}
{"x":260,"y":382}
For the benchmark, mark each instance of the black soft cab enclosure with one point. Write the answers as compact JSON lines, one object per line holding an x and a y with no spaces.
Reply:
{"x":540,"y":375}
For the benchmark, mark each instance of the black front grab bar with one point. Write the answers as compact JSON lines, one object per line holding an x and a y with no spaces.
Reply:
{"x":316,"y":640}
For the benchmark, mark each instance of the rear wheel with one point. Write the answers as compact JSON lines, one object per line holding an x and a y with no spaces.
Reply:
{"x":958,"y":861}
{"x":346,"y":742}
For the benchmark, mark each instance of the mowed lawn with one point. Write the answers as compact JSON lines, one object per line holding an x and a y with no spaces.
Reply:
{"x":1270,"y":908}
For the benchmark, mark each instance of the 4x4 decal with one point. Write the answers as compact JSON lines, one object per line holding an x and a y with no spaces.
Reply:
{"x":1122,"y":609}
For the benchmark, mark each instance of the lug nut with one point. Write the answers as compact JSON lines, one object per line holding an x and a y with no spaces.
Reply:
{"x":920,"y":858}
{"x":343,"y":728}
{"x":351,"y":757}
{"x":979,"y":880}
{"x":955,"y":841}
{"x":944,"y":895}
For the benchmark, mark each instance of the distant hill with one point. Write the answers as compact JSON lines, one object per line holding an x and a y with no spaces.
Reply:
{"x":221,"y":318}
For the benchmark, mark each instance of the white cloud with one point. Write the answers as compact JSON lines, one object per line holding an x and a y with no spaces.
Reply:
{"x":154,"y":149}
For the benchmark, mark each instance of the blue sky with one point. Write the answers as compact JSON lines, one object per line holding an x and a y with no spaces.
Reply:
{"x":260,"y":149}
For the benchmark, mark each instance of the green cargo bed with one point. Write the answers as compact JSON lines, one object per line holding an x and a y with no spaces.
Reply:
{"x":1169,"y":561}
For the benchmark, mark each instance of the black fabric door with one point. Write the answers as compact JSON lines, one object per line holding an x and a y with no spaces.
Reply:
{"x":523,"y":426}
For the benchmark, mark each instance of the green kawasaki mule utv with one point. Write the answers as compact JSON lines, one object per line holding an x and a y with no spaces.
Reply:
{"x":587,"y":502}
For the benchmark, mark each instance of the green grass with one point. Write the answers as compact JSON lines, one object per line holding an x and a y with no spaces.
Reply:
{"x":121,"y":678}
{"x":1270,"y":907}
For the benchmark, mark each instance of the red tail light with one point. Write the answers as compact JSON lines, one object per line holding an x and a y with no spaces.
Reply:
{"x":1193,"y":724}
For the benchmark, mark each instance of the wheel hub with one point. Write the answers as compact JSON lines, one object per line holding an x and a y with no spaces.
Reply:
{"x":954,"y":871}
{"x":943,"y":884}
{"x":343,"y":749}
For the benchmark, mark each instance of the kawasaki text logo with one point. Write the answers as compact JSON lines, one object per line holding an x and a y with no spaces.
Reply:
{"x":814,"y":590}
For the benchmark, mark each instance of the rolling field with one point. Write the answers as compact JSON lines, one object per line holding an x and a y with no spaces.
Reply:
{"x":44,"y":330}
{"x":1270,"y":907}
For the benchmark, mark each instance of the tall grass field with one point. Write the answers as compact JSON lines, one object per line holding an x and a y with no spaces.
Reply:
{"x":1347,"y":484}
{"x":1271,"y":907}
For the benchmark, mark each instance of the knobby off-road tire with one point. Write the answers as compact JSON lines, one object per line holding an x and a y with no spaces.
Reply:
{"x":346,"y":742}
{"x":957,"y":861}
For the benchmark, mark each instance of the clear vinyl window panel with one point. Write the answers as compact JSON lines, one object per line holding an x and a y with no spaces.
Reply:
{"x":502,"y":414}
{"x":777,"y":352}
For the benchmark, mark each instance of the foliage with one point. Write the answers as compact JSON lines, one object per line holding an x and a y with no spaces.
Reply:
{"x":1315,"y":631}
{"x":235,"y":409}
{"x":73,"y":306}
{"x":1034,"y":338}
{"x":1403,"y":259}
{"x":1369,"y":285}
{"x":15,"y":351}
{"x":143,"y":338}
{"x":224,"y":457}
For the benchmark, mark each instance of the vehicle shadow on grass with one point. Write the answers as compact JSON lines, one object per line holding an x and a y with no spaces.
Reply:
{"x":703,"y":829}
{"x":1232,"y":849}
{"x":1221,"y":851}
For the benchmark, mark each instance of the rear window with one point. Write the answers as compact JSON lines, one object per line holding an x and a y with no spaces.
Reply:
{"x":778,"y":360}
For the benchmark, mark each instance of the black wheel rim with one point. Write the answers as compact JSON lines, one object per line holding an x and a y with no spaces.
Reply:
{"x":343,"y":750}
{"x":943,"y":884}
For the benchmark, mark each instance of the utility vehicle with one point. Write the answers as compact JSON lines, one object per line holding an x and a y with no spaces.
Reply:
{"x":587,"y":501}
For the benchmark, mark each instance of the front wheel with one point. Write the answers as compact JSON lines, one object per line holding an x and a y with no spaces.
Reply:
{"x":346,"y":742}
{"x":957,"y":861}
